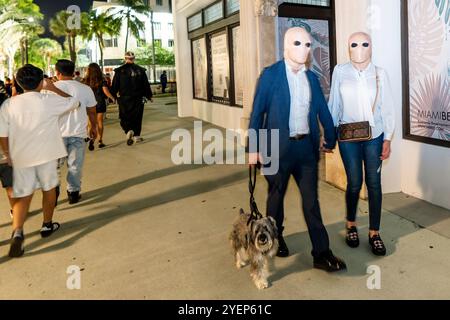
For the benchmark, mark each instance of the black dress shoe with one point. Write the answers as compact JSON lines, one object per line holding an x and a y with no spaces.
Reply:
{"x":283,"y":250}
{"x":328,"y":262}
{"x":74,"y":197}
{"x":352,"y":238}
{"x":377,"y":245}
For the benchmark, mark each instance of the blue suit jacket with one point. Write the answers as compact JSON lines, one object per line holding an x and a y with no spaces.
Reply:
{"x":272,"y":104}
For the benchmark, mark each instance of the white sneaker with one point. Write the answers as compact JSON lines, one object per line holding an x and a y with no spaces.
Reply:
{"x":130,"y":135}
{"x":138,"y":139}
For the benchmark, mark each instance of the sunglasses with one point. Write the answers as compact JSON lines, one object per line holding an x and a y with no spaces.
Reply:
{"x":365,"y":45}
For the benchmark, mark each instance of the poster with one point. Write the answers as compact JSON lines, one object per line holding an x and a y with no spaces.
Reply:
{"x":320,"y":50}
{"x":220,"y":67}
{"x":427,"y":35}
{"x":238,"y":74}
{"x":200,"y":70}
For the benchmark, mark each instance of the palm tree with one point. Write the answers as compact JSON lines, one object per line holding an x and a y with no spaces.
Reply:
{"x":19,"y":20}
{"x":60,"y":27}
{"x":129,"y":14}
{"x":48,"y":49}
{"x":97,"y":26}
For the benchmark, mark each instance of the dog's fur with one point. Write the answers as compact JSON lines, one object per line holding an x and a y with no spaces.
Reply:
{"x":255,"y":243}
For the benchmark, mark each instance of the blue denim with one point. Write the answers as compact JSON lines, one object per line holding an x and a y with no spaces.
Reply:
{"x":76,"y":148}
{"x":354,"y":154}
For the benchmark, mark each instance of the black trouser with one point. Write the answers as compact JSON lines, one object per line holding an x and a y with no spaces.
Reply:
{"x":131,"y":111}
{"x":300,"y":162}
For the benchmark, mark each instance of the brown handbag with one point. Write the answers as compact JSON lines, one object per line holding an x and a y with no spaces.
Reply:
{"x":358,"y":131}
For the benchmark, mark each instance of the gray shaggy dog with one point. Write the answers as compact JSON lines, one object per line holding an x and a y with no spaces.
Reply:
{"x":255,"y":243}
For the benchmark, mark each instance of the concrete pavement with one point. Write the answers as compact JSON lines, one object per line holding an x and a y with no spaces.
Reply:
{"x":148,"y":229}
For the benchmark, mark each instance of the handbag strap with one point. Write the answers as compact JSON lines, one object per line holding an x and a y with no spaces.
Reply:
{"x":378,"y":90}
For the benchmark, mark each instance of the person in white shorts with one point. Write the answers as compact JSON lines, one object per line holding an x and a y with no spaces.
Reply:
{"x":31,"y":140}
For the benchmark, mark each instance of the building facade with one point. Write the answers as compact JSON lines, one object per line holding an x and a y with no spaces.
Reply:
{"x":222,"y":46}
{"x":163,"y":32}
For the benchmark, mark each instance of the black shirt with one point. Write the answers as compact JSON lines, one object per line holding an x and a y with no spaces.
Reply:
{"x":130,"y":80}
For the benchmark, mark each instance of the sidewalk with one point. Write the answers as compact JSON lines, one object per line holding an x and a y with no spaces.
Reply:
{"x":147,"y":229}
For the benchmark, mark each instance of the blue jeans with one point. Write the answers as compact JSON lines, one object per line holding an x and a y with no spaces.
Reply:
{"x":354,"y":154}
{"x":76,"y":148}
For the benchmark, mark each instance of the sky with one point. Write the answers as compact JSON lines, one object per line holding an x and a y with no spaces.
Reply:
{"x":50,"y":7}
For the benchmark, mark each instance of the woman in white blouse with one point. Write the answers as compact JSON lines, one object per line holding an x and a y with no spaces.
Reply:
{"x":361,"y":92}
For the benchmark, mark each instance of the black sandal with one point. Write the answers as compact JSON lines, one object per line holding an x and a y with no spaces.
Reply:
{"x":48,"y":229}
{"x":352,"y":238}
{"x":377,"y":245}
{"x":91,"y":145}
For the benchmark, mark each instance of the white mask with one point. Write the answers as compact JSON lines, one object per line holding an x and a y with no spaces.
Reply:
{"x":360,"y":48}
{"x":297,"y":46}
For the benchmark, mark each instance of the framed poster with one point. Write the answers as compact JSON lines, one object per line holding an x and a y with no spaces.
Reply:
{"x":238,"y":74}
{"x":200,"y":68}
{"x":426,"y":71}
{"x":220,"y":67}
{"x":320,"y":51}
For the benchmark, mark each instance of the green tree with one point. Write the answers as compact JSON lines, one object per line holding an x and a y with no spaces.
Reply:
{"x":19,"y":21}
{"x":61,"y":26}
{"x":47,"y":49}
{"x":129,"y":15}
{"x":163,"y":57}
{"x":97,"y":25}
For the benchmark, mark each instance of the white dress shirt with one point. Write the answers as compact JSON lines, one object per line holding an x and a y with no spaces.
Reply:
{"x":300,"y":101}
{"x":353,"y":94}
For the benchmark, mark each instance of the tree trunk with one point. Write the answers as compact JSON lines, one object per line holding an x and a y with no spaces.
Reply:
{"x":69,"y":41}
{"x":102,"y":61}
{"x":73,"y":54}
{"x":49,"y":60}
{"x":22,"y":52}
{"x":128,"y":31}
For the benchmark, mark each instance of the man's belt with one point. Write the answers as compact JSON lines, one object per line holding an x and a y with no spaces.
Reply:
{"x":298,"y":137}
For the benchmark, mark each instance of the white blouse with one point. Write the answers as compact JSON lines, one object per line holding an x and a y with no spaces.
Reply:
{"x":353,"y":94}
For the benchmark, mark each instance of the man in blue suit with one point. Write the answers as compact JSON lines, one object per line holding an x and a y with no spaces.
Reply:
{"x":289,"y":99}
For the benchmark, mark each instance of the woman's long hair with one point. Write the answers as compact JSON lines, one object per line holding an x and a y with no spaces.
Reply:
{"x":94,"y":76}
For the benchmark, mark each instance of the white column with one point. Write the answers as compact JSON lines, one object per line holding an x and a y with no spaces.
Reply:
{"x":183,"y":64}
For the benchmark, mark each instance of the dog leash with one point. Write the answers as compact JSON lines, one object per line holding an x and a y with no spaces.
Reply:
{"x":254,"y":212}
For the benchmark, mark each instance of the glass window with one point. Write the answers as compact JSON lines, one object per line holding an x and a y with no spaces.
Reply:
{"x":111,"y":43}
{"x":157,"y":26}
{"x":220,"y":67}
{"x":200,"y":68}
{"x":322,"y":3}
{"x":214,"y":13}
{"x":171,"y":43}
{"x":195,"y":22}
{"x":232,"y":6}
{"x":159,"y":2}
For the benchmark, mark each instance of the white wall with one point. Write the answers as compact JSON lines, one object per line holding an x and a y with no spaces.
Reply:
{"x":418,"y":169}
{"x":384,"y":25}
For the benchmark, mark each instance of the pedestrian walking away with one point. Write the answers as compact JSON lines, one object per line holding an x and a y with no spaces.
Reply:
{"x":130,"y":86}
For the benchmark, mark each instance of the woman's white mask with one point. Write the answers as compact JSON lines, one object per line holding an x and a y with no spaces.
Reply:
{"x":297,"y":45}
{"x":360,"y":48}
